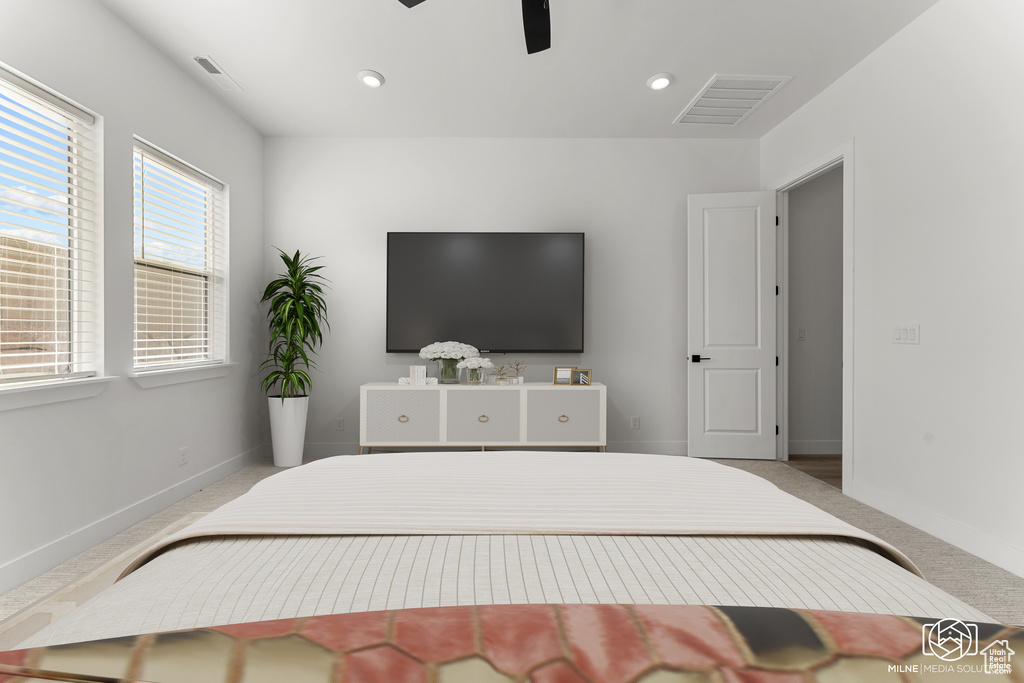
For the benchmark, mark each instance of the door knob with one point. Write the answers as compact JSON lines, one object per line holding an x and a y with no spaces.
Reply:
{"x":696,"y":358}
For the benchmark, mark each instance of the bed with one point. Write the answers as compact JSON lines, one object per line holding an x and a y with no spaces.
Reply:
{"x":650,"y":544}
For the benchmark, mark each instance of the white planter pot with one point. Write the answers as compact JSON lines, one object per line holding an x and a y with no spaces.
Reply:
{"x":288,"y":429}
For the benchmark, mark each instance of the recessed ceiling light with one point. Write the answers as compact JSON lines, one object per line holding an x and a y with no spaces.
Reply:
{"x":371,"y":79}
{"x":659,"y":81}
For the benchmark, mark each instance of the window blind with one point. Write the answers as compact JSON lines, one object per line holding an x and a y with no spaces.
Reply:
{"x":180,"y":258}
{"x":50,"y":251}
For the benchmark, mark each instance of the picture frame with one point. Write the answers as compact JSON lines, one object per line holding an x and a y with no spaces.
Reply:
{"x":563,"y":374}
{"x":581,"y":377}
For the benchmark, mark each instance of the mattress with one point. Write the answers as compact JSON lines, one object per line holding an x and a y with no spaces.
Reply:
{"x":403,"y":531}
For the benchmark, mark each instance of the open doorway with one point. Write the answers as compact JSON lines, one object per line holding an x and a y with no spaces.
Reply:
{"x":834,"y":170}
{"x":815,"y":326}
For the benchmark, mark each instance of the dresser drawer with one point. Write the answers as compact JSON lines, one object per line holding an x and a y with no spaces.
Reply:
{"x":395,"y":417}
{"x":556,"y":416}
{"x":483,"y":416}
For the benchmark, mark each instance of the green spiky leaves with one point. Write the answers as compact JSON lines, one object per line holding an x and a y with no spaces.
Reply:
{"x":297,"y":318}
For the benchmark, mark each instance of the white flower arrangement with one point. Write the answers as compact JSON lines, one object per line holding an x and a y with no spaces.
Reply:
{"x":475,"y":363}
{"x":448,"y":350}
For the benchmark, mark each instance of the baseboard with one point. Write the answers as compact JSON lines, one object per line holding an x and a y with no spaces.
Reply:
{"x":316,"y":451}
{"x":974,"y":541}
{"x":656,"y":447}
{"x":43,"y":612}
{"x":30,"y":565}
{"x":816,"y":447}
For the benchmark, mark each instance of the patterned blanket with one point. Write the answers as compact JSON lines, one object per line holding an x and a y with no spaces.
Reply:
{"x":545,"y":644}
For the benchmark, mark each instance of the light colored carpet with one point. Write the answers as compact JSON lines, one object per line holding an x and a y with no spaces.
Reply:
{"x":69,"y":596}
{"x":993,"y":590}
{"x":31,"y":606}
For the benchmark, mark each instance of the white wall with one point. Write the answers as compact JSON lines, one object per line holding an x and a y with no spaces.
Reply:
{"x":939,"y":167}
{"x":75,"y":473}
{"x":815,"y":212}
{"x":339,"y":197}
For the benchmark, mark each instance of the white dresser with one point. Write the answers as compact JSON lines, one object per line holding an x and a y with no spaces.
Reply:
{"x":535,"y":414}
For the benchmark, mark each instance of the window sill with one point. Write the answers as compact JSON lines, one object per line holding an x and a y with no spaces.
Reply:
{"x":148,"y":379}
{"x":26,"y":395}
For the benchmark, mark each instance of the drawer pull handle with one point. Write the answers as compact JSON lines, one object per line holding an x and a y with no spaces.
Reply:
{"x":563,"y":418}
{"x":483,"y":418}
{"x":403,"y":418}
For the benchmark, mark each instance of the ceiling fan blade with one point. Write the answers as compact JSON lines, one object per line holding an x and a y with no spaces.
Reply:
{"x":536,"y":25}
{"x":410,"y":3}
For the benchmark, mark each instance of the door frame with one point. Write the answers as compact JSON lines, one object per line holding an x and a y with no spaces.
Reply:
{"x":840,"y":156}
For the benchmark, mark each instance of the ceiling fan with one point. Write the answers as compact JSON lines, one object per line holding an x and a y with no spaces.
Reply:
{"x":536,"y":23}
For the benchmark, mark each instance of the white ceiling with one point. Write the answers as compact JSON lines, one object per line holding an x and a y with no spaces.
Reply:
{"x":459,"y":67}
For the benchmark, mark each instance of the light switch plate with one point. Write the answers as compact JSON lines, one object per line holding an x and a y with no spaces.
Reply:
{"x":906,"y":334}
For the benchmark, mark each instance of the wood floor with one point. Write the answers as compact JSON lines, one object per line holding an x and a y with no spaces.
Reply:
{"x":828,"y":468}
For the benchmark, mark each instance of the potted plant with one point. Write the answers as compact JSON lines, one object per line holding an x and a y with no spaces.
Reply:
{"x":297,"y":317}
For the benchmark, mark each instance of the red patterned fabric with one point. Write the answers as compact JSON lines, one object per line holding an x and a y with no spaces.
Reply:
{"x":522,"y":644}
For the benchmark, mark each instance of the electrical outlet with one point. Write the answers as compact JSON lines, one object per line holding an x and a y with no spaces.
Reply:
{"x":339,"y":424}
{"x":182,"y":456}
{"x":634,"y":422}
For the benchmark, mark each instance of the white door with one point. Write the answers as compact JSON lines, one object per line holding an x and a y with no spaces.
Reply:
{"x":731,"y":325}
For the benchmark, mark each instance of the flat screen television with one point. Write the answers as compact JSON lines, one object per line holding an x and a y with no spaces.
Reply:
{"x":512,"y":292}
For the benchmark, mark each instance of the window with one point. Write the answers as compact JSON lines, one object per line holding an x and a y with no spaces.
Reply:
{"x":50,"y":241}
{"x":180,"y":253}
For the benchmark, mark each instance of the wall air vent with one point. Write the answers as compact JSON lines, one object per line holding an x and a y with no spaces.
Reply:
{"x":217,"y":74}
{"x":727,"y":100}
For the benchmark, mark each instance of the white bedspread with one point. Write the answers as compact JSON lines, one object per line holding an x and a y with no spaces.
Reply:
{"x":209,"y":581}
{"x":352,"y":534}
{"x":511,"y":492}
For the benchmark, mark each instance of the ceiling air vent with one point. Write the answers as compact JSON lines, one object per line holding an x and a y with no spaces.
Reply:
{"x":217,"y":74}
{"x":727,"y":100}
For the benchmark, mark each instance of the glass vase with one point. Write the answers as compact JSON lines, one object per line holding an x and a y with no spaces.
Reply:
{"x":447,"y":371}
{"x":474,"y":376}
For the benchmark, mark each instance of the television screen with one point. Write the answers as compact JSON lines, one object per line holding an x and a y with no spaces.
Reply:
{"x":499,"y":291}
